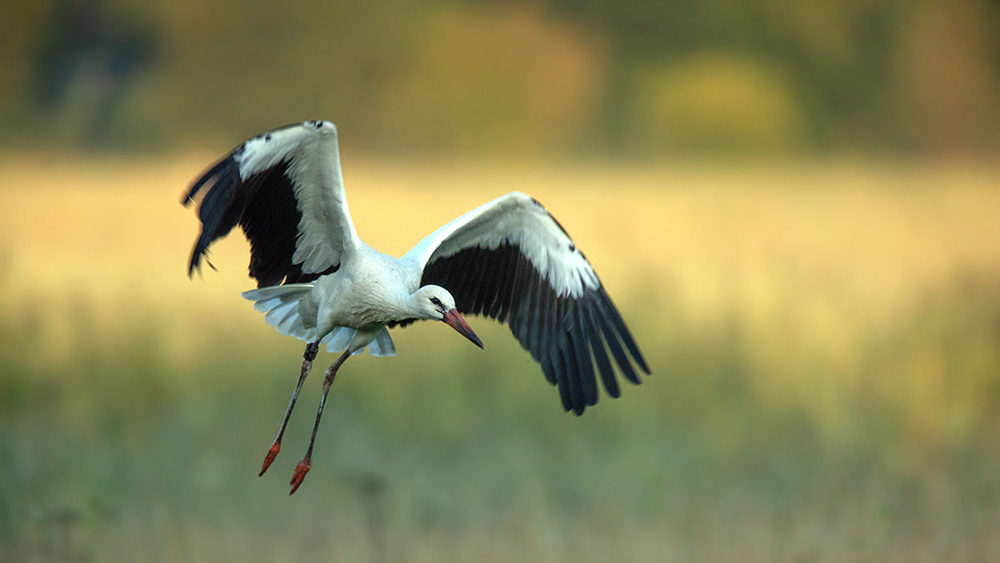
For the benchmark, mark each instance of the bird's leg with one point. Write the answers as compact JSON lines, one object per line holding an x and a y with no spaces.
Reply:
{"x":307,"y":361}
{"x":303,"y":467}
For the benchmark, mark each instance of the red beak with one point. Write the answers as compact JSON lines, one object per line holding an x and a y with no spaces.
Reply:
{"x":455,"y":321}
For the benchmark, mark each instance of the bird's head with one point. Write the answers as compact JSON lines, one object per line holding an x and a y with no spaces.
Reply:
{"x":436,"y":303}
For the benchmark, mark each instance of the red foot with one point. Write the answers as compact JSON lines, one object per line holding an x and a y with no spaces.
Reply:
{"x":300,"y":474}
{"x":271,"y":454}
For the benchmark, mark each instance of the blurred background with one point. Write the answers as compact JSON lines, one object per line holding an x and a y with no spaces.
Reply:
{"x":794,"y":204}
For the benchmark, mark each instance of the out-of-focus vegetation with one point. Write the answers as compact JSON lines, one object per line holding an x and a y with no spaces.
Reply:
{"x":551,"y":76}
{"x":825,"y":379}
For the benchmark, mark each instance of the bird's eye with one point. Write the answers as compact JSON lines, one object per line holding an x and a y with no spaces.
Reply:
{"x":436,"y":301}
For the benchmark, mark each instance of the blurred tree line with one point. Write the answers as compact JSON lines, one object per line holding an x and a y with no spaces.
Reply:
{"x":624,"y":77}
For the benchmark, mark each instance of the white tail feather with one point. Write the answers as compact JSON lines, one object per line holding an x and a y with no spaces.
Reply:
{"x":280,"y":305}
{"x":338,"y":339}
{"x":382,"y":345}
{"x":276,"y":291}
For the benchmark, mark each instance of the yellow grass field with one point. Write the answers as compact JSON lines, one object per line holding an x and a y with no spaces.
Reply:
{"x":816,"y":311}
{"x":844,"y":248}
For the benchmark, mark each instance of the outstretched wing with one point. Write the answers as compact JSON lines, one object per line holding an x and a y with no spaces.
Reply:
{"x":512,"y":261}
{"x":285,"y":190}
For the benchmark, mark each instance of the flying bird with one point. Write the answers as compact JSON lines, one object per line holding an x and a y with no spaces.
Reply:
{"x":508,"y":259}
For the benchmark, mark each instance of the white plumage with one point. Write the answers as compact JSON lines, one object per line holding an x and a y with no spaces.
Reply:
{"x":508,"y":259}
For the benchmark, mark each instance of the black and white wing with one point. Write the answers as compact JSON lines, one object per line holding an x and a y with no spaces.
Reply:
{"x":285,"y":189}
{"x":512,"y":261}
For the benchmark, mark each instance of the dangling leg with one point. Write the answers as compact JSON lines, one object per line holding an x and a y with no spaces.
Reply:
{"x":307,"y":361}
{"x":303,"y":467}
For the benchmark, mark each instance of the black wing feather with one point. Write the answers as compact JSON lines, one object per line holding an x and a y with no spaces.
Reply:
{"x":600,"y":353}
{"x":534,"y":316}
{"x":611,"y":339}
{"x":226,"y":175}
{"x":264,"y":206}
{"x":566,"y":335}
{"x":622,"y":330}
{"x":581,"y":344}
{"x":555,"y":374}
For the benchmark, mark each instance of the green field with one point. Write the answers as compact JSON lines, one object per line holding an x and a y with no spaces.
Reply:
{"x":824,"y":340}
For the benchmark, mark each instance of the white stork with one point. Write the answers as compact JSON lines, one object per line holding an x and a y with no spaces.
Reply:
{"x":508,"y":259}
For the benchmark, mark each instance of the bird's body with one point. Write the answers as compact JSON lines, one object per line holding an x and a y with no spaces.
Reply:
{"x":508,"y":259}
{"x":369,"y":291}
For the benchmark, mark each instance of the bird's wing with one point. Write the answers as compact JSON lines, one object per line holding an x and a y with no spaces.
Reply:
{"x":512,"y":261}
{"x":285,"y":189}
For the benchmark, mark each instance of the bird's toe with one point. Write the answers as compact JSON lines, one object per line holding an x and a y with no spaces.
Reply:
{"x":300,"y":474}
{"x":269,"y":458}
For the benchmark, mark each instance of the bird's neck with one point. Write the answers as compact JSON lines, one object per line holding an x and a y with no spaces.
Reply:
{"x":411,"y":307}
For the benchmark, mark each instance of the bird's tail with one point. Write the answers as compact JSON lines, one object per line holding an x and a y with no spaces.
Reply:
{"x":280,"y":305}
